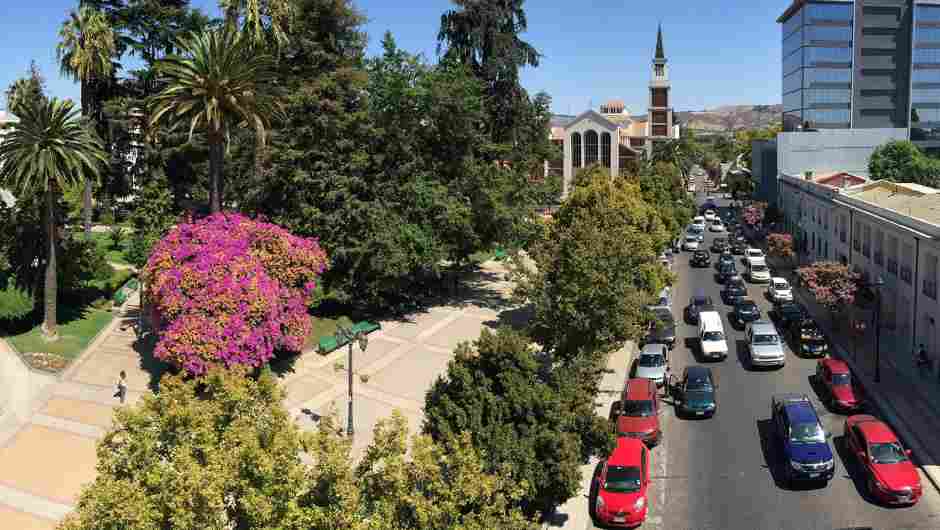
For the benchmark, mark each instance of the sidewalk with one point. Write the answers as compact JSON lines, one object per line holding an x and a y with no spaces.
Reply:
{"x":907,"y":398}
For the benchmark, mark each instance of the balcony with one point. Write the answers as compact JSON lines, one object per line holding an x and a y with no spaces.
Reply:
{"x":856,"y":245}
{"x":906,"y":274}
{"x":866,"y":251}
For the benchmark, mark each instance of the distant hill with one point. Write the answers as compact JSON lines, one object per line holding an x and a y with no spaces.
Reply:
{"x":731,"y":117}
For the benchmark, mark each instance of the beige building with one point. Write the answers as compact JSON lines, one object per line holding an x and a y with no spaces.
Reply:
{"x":881,"y":229}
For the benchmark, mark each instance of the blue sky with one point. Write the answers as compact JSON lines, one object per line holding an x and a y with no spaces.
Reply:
{"x":720,"y":52}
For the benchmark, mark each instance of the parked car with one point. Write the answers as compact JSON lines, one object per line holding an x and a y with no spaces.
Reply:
{"x":663,"y":327}
{"x":738,"y":248}
{"x":694,"y":393}
{"x":733,"y":292}
{"x":690,"y":242}
{"x":651,"y":363}
{"x":700,"y":258}
{"x":836,"y":380}
{"x":785,"y":313}
{"x":639,"y":411}
{"x":719,"y":245}
{"x":716,"y":226}
{"x":726,"y":271}
{"x":801,"y":438}
{"x":807,"y":339}
{"x":764,"y":345}
{"x":745,"y":310}
{"x":726,"y":258}
{"x":621,"y":485}
{"x":891,"y":477}
{"x":710,"y":215}
{"x":779,"y":290}
{"x":697,"y":304}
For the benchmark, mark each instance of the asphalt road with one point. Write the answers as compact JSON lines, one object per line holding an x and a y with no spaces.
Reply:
{"x":721,"y":474}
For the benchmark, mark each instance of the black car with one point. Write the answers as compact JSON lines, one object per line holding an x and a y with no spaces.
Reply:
{"x":662,"y":328}
{"x":808,"y":340}
{"x":695,"y":393}
{"x":738,"y":248}
{"x":726,"y":257}
{"x":785,"y":313}
{"x":726,"y":271}
{"x":719,"y":245}
{"x":733,"y":292}
{"x":701,"y":258}
{"x":745,"y":310}
{"x":697,"y":304}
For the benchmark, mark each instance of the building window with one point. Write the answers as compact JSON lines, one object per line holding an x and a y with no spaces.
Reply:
{"x":842,"y":228}
{"x":659,"y":70}
{"x":892,"y":261}
{"x":906,"y":261}
{"x":590,"y":148}
{"x":879,"y":247}
{"x":866,"y":242}
{"x":930,"y":277}
{"x":605,"y":149}
{"x":576,"y":149}
{"x":857,"y":237}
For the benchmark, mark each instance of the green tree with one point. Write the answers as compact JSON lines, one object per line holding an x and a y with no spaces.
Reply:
{"x":86,"y":50}
{"x":215,"y":87}
{"x":902,"y":161}
{"x":740,"y":184}
{"x":26,"y":90}
{"x":497,"y":391}
{"x":595,"y":268}
{"x":260,"y":18}
{"x":154,"y":213}
{"x":46,"y":151}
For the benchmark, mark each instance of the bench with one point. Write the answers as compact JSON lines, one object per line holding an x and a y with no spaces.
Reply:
{"x":499,"y":254}
{"x":330,"y":343}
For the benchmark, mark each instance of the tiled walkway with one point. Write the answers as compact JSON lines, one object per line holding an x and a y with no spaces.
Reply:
{"x":46,"y":459}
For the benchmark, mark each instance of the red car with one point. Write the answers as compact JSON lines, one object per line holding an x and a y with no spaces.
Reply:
{"x":836,"y":380}
{"x":892,"y":477}
{"x":639,"y":411}
{"x":621,"y":485}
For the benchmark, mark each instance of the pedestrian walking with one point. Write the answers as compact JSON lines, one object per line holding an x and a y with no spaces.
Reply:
{"x":121,"y":387}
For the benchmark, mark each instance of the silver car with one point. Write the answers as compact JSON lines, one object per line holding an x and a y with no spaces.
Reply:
{"x":764,"y":344}
{"x":652,"y":363}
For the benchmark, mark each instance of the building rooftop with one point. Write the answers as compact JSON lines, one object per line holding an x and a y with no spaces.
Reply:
{"x":839,"y":179}
{"x":789,"y":11}
{"x":911,"y":200}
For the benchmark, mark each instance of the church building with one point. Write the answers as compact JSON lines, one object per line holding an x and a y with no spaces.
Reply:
{"x":612,"y":137}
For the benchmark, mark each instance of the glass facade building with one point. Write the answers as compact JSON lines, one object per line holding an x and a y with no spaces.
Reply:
{"x":925,"y":74}
{"x":817,"y":65}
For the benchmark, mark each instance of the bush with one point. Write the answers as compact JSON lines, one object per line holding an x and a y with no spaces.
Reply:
{"x":229,"y":290}
{"x":116,"y":233}
{"x":81,"y":262}
{"x":15,"y":303}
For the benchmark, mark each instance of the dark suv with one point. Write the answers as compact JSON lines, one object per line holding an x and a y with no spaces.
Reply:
{"x":701,"y":258}
{"x":808,"y":339}
{"x":786,"y":313}
{"x":662,"y":327}
{"x":694,"y":393}
{"x":733,"y":292}
{"x":745,"y":310}
{"x":726,"y":271}
{"x":720,"y":245}
{"x":802,"y":440}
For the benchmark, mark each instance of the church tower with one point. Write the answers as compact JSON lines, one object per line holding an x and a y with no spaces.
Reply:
{"x":659,"y":119}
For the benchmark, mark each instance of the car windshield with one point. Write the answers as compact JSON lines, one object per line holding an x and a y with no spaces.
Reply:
{"x":841,"y":379}
{"x":807,"y":433}
{"x":651,"y":360}
{"x":700,"y":301}
{"x":698,"y":383}
{"x":713,"y":335}
{"x":758,"y":268}
{"x":621,"y":479}
{"x":766,"y":339}
{"x":638,"y":408}
{"x":887,"y":453}
{"x":754,"y":253}
{"x":781,"y":286}
{"x":747,"y":307}
{"x":691,"y":239}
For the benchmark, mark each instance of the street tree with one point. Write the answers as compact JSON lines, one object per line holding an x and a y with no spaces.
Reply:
{"x":86,"y":52}
{"x":902,"y":161}
{"x":26,"y":90}
{"x":48,"y":150}
{"x":214,"y":87}
{"x":780,"y":245}
{"x":832,"y":284}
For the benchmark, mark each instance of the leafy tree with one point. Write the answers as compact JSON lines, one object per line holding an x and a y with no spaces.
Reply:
{"x":902,"y":161}
{"x":26,"y":90}
{"x":498,"y":392}
{"x":780,"y":245}
{"x":742,"y":142}
{"x":595,"y":268}
{"x":260,"y":18}
{"x":739,"y":184}
{"x":832,"y":284}
{"x":196,"y":456}
{"x":214,"y":87}
{"x":47,"y":150}
{"x":662,"y":185}
{"x":85,"y":51}
{"x":154,"y":214}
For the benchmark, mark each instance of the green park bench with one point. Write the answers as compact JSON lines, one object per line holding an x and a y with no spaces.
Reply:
{"x":331,"y":342}
{"x":499,"y":254}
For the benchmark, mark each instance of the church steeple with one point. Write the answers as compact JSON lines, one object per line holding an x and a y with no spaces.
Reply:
{"x":660,"y":56}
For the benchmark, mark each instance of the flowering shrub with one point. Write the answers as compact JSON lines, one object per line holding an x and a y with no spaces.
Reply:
{"x":753,"y":215}
{"x":832,"y":284}
{"x":229,"y":290}
{"x":780,"y":245}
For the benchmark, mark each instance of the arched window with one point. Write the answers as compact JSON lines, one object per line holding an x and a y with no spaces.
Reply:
{"x":590,"y":148}
{"x":576,"y":149}
{"x":605,"y":149}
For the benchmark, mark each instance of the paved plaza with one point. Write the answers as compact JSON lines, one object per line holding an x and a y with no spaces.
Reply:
{"x":49,"y":453}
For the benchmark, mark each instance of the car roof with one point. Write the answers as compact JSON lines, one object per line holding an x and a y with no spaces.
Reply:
{"x":653,"y":348}
{"x":696,"y":372}
{"x":875,"y":430}
{"x":638,"y":388}
{"x":801,"y":412}
{"x":837,"y":366}
{"x":777,"y":279}
{"x":627,"y":452}
{"x":763,"y":327}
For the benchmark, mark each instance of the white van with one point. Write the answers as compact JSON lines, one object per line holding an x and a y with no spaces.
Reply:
{"x":711,"y":335}
{"x":757,"y":270}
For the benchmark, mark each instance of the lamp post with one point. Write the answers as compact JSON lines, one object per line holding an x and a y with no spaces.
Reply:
{"x":876,"y":285}
{"x":350,"y":336}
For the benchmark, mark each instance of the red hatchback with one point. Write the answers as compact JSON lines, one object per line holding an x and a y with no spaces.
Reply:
{"x":892,"y":477}
{"x":639,"y":411}
{"x":836,"y":379}
{"x":621,"y":485}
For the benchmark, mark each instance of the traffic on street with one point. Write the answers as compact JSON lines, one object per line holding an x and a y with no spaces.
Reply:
{"x":744,"y":433}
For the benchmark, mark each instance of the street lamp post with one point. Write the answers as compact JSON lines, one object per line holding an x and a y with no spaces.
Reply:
{"x":350,"y":337}
{"x":877,"y":284}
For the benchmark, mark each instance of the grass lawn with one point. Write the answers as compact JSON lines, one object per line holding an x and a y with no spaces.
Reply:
{"x":103,"y":240}
{"x":323,"y":327}
{"x":76,"y":329}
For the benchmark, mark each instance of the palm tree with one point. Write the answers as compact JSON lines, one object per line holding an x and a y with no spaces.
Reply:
{"x":215,"y":86}
{"x":277,"y":13}
{"x":45,"y":151}
{"x":85,"y":54}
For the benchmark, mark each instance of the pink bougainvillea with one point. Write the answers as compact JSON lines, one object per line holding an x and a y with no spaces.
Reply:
{"x":832,"y":284}
{"x":780,"y":245}
{"x":230,"y":290}
{"x":753,"y":215}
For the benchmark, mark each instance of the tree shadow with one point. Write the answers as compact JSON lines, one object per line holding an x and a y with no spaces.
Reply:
{"x":144,"y":346}
{"x":517,"y":318}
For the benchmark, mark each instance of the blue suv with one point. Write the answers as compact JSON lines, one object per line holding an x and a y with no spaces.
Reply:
{"x":802,"y":439}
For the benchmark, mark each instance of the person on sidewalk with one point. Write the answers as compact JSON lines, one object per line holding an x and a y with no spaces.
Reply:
{"x":121,"y":387}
